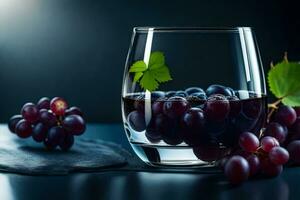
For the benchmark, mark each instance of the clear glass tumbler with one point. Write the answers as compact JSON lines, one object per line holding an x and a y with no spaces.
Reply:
{"x":188,"y":93}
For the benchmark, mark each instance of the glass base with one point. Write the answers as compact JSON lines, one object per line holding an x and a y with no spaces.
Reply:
{"x":170,"y":156}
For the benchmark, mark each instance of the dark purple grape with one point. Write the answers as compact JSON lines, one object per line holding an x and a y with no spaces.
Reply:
{"x":181,"y":93}
{"x":157,"y":94}
{"x":215,"y":129}
{"x":192,"y":90}
{"x":23,"y":129}
{"x":237,"y":169}
{"x":74,"y":124}
{"x":172,"y":136}
{"x":199,"y":95}
{"x":285,"y":115}
{"x":48,"y":118}
{"x":193,"y":119}
{"x":209,"y":153}
{"x":174,"y":107}
{"x":268,"y":142}
{"x":248,"y":142}
{"x":222,"y":162}
{"x":195,"y":102}
{"x":153,"y":136}
{"x":297,"y":110}
{"x":218,"y":89}
{"x":43,"y":103}
{"x":235,"y":106}
{"x":67,"y":142}
{"x":277,"y":131}
{"x":13,"y":122}
{"x":294,"y":151}
{"x":242,"y":153}
{"x":162,"y":127}
{"x":293,"y":132}
{"x":217,"y":108}
{"x":192,"y":124}
{"x":254,"y":164}
{"x":270,"y":169}
{"x":30,"y":112}
{"x":278,"y":155}
{"x":170,"y":93}
{"x":291,"y":137}
{"x":252,"y":108}
{"x":157,"y":107}
{"x":139,"y":104}
{"x":295,"y":128}
{"x":73,"y":111}
{"x":158,"y":125}
{"x":55,"y":136}
{"x":136,"y":121}
{"x":58,"y":106}
{"x":39,"y":132}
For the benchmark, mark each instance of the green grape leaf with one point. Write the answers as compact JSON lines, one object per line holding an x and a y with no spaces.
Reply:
{"x":161,"y":74}
{"x":156,"y":57}
{"x":137,"y":76}
{"x":284,"y":82}
{"x":148,"y":81}
{"x":138,"y":66}
{"x":152,"y":75}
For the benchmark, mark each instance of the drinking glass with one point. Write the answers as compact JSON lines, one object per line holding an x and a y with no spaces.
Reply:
{"x":188,"y":93}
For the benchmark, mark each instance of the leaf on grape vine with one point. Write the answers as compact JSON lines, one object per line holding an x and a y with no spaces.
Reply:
{"x":137,"y":76}
{"x":161,"y":74}
{"x":148,"y":81}
{"x":150,"y":76}
{"x":284,"y":82}
{"x":138,"y":66}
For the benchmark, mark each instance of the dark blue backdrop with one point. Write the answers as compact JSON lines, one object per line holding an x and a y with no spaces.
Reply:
{"x":77,"y":48}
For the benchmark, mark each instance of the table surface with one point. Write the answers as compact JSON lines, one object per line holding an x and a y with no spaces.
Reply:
{"x":120,"y":184}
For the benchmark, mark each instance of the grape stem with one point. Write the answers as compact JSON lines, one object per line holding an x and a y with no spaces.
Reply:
{"x":272,"y":107}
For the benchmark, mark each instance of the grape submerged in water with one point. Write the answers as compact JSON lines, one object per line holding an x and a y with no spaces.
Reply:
{"x":201,"y":119}
{"x":217,"y":108}
{"x":175,"y":107}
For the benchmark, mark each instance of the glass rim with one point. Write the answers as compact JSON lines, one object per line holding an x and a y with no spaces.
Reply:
{"x":175,"y":29}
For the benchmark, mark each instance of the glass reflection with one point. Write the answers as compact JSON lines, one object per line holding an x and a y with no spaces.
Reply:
{"x":5,"y":188}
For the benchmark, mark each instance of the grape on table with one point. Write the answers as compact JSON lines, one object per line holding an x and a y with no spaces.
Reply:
{"x":51,"y":122}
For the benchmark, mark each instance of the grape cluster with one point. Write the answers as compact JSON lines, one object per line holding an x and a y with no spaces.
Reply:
{"x":278,"y":145}
{"x":264,"y":156}
{"x":209,"y":121}
{"x":51,"y":122}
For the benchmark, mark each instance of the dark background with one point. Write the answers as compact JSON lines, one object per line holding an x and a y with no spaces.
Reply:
{"x":77,"y":48}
